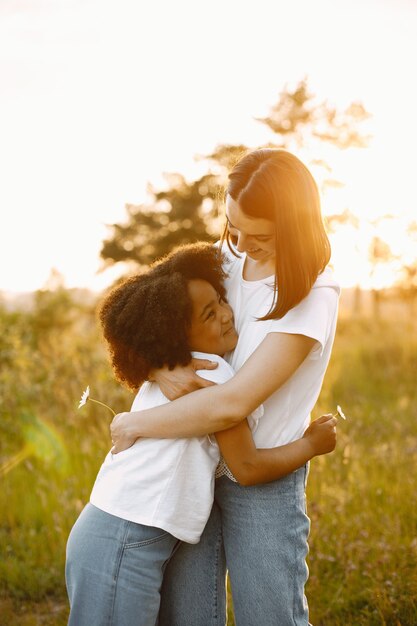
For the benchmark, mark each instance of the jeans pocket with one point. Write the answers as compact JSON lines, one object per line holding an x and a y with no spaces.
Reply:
{"x":139,"y":535}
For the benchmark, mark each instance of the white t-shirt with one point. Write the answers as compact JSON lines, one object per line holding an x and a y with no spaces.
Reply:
{"x":287,"y":410}
{"x":167,"y":483}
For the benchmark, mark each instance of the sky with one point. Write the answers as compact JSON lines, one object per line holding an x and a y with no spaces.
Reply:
{"x":100,"y":97}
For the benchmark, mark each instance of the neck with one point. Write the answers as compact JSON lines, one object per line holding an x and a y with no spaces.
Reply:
{"x":257,"y":270}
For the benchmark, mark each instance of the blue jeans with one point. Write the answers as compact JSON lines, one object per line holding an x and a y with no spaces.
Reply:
{"x":261,"y":534}
{"x":114,"y":570}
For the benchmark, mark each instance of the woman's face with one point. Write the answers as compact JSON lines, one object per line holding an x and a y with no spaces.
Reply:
{"x":212,"y":329}
{"x":253,"y":235}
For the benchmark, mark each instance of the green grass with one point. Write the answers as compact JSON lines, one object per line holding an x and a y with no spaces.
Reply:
{"x":361,"y":498}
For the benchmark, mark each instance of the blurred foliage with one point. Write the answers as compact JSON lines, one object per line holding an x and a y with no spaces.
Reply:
{"x":361,"y":498}
{"x":189,"y":211}
{"x":185,"y":213}
{"x":48,"y":355}
{"x":407,"y":282}
{"x":297,"y":118}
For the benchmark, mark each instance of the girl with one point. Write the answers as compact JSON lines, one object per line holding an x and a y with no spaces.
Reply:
{"x":160,"y":491}
{"x":285,"y":304}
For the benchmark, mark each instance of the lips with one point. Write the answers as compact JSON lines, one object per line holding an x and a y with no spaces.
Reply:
{"x":256,"y":252}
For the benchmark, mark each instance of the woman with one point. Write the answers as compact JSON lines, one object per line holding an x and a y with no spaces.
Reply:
{"x":285,"y":305}
{"x":161,"y":491}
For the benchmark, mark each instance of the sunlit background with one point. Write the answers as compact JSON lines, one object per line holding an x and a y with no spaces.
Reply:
{"x":98,"y":100}
{"x":100,"y":97}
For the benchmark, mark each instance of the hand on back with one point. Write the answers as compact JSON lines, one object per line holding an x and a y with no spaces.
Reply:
{"x":182,"y":380}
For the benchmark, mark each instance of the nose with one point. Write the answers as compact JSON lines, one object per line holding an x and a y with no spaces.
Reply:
{"x":227,"y":313}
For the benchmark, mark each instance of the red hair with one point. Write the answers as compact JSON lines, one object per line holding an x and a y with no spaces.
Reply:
{"x":275,"y":185}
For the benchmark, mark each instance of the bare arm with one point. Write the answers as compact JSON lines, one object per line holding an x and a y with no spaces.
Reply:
{"x":250,"y":465}
{"x":220,"y":406}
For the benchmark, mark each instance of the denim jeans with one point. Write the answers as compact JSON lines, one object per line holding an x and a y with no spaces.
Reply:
{"x":261,"y":533}
{"x":114,"y":570}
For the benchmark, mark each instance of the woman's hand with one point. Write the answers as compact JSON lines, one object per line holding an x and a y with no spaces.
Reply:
{"x":121,"y":436}
{"x":182,"y":380}
{"x":321,"y":434}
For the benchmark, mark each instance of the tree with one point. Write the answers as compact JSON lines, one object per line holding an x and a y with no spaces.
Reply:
{"x":347,"y":224}
{"x":297,"y":119}
{"x":182,"y":214}
{"x":379,"y":254}
{"x":189,"y":211}
{"x":407,"y":283}
{"x":407,"y":287}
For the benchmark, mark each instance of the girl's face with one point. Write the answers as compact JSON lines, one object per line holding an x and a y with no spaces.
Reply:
{"x":253,"y":235}
{"x":212,"y":329}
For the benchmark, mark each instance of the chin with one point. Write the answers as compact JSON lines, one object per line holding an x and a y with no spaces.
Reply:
{"x":231,"y":346}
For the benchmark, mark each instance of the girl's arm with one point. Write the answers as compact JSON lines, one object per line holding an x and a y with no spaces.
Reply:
{"x":220,"y":406}
{"x":250,"y":465}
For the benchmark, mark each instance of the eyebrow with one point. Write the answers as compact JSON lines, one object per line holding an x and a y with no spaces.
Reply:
{"x":259,"y":235}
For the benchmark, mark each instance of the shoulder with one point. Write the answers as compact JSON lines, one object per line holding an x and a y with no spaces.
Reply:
{"x":315,"y":316}
{"x":319,"y":305}
{"x":148,"y":396}
{"x":326,"y":281}
{"x":324,"y":294}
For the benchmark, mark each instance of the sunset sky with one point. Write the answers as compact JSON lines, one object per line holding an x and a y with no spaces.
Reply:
{"x":98,"y":97}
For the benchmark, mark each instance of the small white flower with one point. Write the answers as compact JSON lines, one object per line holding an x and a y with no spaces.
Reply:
{"x":84,"y":397}
{"x":339,"y":412}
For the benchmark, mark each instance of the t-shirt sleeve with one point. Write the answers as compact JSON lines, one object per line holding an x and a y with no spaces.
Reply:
{"x":254,"y":417}
{"x":313,"y":317}
{"x":221,"y":374}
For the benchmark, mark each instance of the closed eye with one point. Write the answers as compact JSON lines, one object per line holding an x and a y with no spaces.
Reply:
{"x":210,"y":316}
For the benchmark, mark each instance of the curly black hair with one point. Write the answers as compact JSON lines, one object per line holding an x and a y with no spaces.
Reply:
{"x":145,"y":319}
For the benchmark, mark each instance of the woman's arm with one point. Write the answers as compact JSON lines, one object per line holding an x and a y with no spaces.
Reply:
{"x":220,"y":406}
{"x":250,"y":465}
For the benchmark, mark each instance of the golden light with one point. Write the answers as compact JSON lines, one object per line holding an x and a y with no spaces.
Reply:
{"x":42,"y":441}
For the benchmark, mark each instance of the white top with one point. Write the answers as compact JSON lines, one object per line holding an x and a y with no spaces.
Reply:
{"x":167,"y":483}
{"x":287,"y":410}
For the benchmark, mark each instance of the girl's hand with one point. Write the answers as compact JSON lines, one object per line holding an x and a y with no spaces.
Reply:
{"x":321,"y":434}
{"x":121,"y":437}
{"x":182,"y":380}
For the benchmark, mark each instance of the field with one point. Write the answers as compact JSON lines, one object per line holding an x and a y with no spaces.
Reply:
{"x":361,"y":499}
